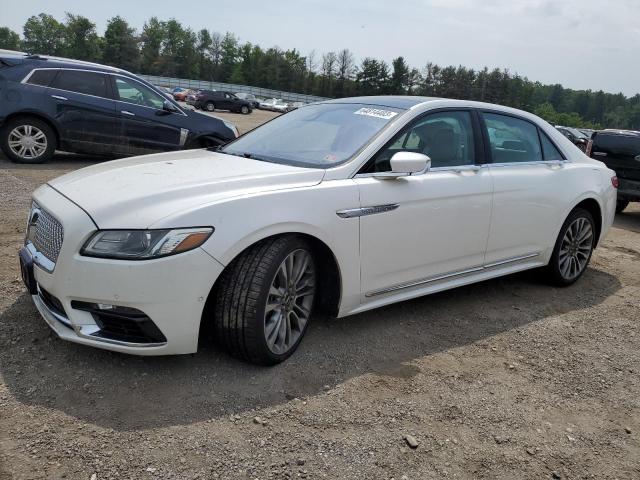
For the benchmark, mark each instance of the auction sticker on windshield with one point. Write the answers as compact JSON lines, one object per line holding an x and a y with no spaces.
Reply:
{"x":376,"y":112}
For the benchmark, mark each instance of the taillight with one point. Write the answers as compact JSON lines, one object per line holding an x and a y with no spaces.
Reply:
{"x":587,"y":152}
{"x":615,"y":182}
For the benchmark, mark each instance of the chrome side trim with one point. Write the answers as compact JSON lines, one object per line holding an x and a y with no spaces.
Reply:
{"x":363,"y":211}
{"x":446,"y":276}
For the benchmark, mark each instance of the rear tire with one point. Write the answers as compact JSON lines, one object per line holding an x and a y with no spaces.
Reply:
{"x":245,"y":110}
{"x":210,"y":107}
{"x":28,"y":140}
{"x":621,"y":205}
{"x":573,"y":249}
{"x":264,"y":300}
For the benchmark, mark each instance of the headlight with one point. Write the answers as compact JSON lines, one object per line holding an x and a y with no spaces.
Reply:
{"x":232,"y":127}
{"x":144,"y":244}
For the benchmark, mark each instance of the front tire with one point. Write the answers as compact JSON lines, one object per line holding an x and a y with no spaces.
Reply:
{"x":264,"y":300}
{"x":245,"y":110}
{"x":210,"y":107}
{"x":573,"y":249}
{"x":28,"y":140}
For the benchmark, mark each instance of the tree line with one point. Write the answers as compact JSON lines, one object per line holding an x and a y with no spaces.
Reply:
{"x":168,"y":48}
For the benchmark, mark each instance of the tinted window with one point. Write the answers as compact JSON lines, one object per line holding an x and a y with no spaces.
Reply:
{"x":617,"y":144}
{"x":512,"y":139}
{"x":447,"y":138}
{"x":133,"y":92}
{"x":42,"y":77}
{"x":78,"y":81}
{"x":549,"y":150}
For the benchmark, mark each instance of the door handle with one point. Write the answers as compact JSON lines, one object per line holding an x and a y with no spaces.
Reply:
{"x":555,"y":164}
{"x":126,"y":112}
{"x":470,"y":168}
{"x":58,"y":97}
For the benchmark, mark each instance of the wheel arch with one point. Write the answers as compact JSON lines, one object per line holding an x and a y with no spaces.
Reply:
{"x":591,"y":205}
{"x":39,"y":116}
{"x":330,"y":291}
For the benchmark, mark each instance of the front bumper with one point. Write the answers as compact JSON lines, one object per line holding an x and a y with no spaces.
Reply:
{"x":171,"y":291}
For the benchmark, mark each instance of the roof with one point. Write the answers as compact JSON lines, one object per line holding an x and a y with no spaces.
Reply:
{"x":58,"y":61}
{"x":393,"y":101}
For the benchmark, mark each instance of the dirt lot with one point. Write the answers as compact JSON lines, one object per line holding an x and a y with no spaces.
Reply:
{"x":507,"y":379}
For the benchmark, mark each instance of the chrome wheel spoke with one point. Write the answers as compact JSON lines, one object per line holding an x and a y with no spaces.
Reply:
{"x":289,"y":301}
{"x":575,"y":248}
{"x":27,"y":141}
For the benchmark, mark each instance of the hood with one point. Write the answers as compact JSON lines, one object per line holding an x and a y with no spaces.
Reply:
{"x":137,"y":192}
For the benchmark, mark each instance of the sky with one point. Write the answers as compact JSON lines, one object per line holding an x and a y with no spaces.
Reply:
{"x":581,"y":44}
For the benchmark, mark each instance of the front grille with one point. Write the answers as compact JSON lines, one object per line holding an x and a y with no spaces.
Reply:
{"x":45,"y":232}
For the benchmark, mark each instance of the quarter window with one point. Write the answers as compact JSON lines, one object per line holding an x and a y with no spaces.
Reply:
{"x":549,"y":150}
{"x":88,"y":83}
{"x":446,"y":137}
{"x":42,"y":77}
{"x":512,"y":140}
{"x":133,"y":92}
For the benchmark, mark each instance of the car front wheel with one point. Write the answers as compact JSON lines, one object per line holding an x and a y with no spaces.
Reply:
{"x":245,"y":110}
{"x":210,"y":106}
{"x":264,"y":300}
{"x":573,"y":248}
{"x":27,"y":140}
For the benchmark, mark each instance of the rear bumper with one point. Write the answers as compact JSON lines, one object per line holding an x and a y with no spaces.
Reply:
{"x":170,"y":291}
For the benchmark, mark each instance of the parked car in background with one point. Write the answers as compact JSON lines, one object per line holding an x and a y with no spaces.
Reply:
{"x":341,"y":206}
{"x":587,"y":131}
{"x":249,"y":97}
{"x":620,"y":151}
{"x":211,"y":100}
{"x":294,"y":105}
{"x":274,"y":105}
{"x":181,"y":95}
{"x":62,"y":104}
{"x":576,"y":137}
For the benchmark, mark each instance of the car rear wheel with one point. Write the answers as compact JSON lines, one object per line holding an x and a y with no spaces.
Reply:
{"x":621,"y":205}
{"x":264,"y":300}
{"x":210,"y":106}
{"x":573,"y":248}
{"x":28,"y":140}
{"x":245,"y":110}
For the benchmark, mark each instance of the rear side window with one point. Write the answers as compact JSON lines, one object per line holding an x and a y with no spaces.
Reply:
{"x":42,"y":77}
{"x":512,"y":140}
{"x":549,"y":150}
{"x":88,"y":83}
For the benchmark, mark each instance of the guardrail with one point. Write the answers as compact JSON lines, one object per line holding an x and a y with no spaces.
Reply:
{"x":230,"y":87}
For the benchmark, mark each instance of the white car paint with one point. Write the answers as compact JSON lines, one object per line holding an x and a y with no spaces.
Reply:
{"x":453,"y":226}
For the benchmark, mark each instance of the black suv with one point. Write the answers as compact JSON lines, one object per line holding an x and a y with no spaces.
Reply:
{"x":50,"y":103}
{"x":620,"y":151}
{"x":210,"y":100}
{"x":578,"y":138}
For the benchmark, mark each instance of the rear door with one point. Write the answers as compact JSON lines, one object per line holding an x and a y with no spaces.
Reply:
{"x":143,"y":124}
{"x":529,"y":180}
{"x":84,"y":110}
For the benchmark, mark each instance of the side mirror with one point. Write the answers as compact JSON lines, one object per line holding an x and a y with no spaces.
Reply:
{"x":167,"y":106}
{"x":405,"y":164}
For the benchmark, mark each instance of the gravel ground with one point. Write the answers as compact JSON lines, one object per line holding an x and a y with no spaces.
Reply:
{"x":507,"y":379}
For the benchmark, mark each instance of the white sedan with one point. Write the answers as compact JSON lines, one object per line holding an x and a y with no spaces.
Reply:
{"x":345,"y":205}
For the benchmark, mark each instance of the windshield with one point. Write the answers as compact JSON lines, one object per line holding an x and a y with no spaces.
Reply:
{"x":316,"y":136}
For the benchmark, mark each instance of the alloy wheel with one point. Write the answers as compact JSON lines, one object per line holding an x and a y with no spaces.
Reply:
{"x":289,"y":301}
{"x":27,"y":141}
{"x":575,"y":249}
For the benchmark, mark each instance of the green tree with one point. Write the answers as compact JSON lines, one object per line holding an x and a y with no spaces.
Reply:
{"x":121,"y":45}
{"x":9,"y":39}
{"x":43,"y":34}
{"x":399,"y":82}
{"x":81,"y":41}
{"x":153,"y":34}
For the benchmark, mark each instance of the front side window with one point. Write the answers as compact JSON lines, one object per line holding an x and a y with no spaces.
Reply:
{"x":316,"y":136}
{"x":88,"y":83}
{"x":42,"y":77}
{"x":512,"y":140}
{"x":133,"y":92}
{"x":445,"y":137}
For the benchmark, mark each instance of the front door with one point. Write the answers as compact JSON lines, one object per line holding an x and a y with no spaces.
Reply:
{"x":144,"y":126}
{"x":429,"y":227}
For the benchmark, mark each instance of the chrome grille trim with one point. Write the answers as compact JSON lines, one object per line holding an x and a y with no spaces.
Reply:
{"x":46,"y":234}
